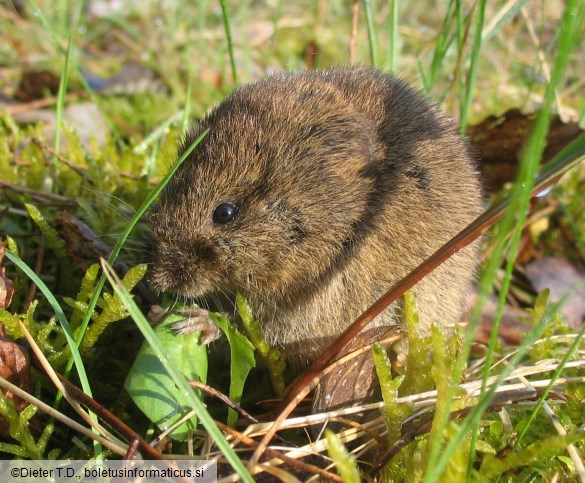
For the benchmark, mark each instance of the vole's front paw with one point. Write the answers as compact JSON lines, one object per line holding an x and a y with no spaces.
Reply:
{"x":197,"y":320}
{"x":156,"y":314}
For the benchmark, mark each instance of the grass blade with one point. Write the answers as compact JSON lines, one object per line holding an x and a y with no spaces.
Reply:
{"x":393,"y":36}
{"x":471,"y":74}
{"x":228,"y":36}
{"x":504,"y":16}
{"x":371,"y":33}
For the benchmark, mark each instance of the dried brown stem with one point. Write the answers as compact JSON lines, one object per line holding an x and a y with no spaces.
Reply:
{"x":43,"y":147}
{"x":309,"y":468}
{"x":223,"y":398}
{"x":37,"y":104}
{"x":42,"y":196}
{"x":294,"y":398}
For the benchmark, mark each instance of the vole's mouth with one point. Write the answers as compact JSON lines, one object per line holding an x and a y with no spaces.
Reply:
{"x":189,"y":292}
{"x":176,"y":283}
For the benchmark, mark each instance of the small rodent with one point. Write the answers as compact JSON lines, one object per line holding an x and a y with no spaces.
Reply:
{"x":312,"y":194}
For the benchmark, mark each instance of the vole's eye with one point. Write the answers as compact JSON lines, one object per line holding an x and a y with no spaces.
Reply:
{"x":224,"y":213}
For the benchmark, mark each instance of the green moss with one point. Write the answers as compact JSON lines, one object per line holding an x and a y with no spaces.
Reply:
{"x":345,"y":462}
{"x":18,"y":423}
{"x":419,"y":353}
{"x":112,"y":307}
{"x":394,"y":413}
{"x":535,"y":456}
{"x":271,"y":357}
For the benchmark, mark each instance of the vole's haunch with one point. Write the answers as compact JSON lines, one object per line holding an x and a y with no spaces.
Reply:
{"x":312,"y":194}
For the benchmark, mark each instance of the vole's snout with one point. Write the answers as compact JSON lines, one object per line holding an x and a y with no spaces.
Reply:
{"x":157,"y":280}
{"x":172,"y":279}
{"x":162,"y":276}
{"x":184,"y":266}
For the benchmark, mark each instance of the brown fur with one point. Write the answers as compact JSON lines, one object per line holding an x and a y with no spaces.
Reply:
{"x":345,"y":179}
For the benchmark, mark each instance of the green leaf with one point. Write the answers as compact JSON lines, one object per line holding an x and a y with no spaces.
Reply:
{"x":151,"y":387}
{"x":19,"y":429}
{"x":12,"y":245}
{"x":242,"y":360}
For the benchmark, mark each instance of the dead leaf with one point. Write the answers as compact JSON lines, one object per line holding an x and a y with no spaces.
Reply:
{"x":6,"y":284}
{"x":354,"y":382}
{"x":511,"y":330}
{"x":561,"y":276}
{"x":36,"y":84}
{"x":84,"y":247}
{"x":499,"y":140}
{"x":82,"y":244}
{"x":15,"y":368}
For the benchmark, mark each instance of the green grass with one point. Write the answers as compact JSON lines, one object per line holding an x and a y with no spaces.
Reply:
{"x":476,"y":59}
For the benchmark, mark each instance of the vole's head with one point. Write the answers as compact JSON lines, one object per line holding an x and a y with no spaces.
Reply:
{"x":272,"y":196}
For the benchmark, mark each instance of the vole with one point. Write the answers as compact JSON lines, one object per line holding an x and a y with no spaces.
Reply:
{"x":312,"y":194}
